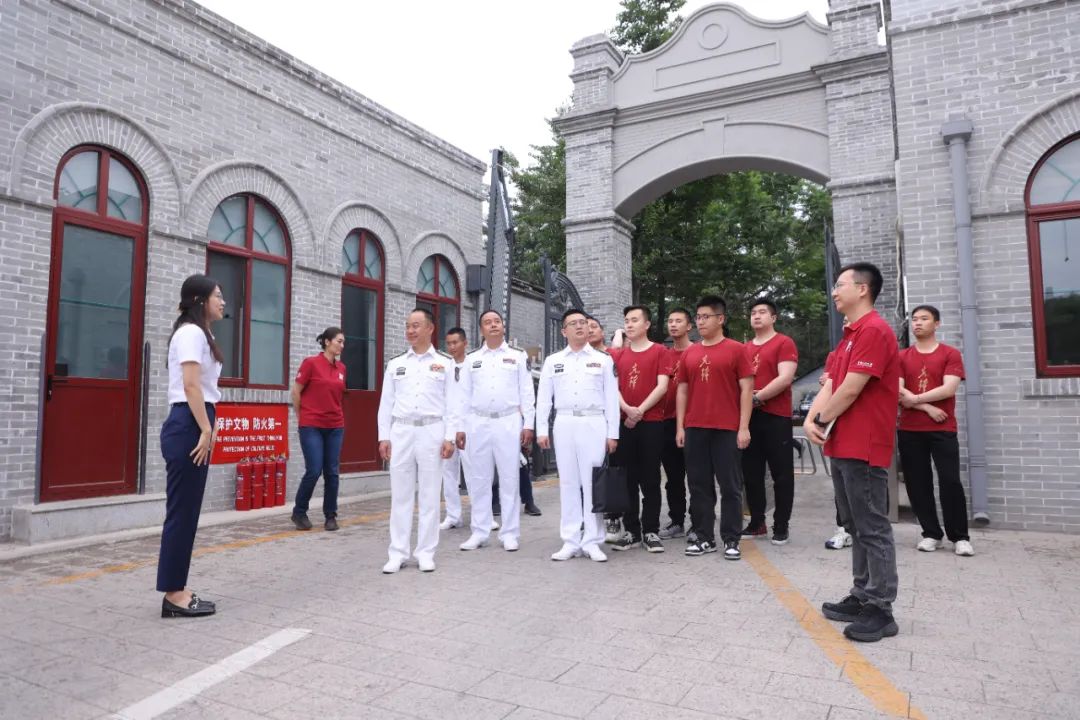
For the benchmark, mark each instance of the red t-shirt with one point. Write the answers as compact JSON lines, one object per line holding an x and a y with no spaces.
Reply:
{"x":637,"y":376}
{"x":674,"y":360}
{"x":867,"y":430}
{"x":324,"y":387}
{"x":765,"y":360}
{"x":922,"y":373}
{"x":712,"y":373}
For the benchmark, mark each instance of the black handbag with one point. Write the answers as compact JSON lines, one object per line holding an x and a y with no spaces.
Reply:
{"x":609,"y":489}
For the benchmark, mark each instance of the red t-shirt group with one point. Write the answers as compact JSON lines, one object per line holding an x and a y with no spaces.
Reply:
{"x":712,"y":373}
{"x":922,"y":372}
{"x":765,"y":360}
{"x":637,"y":376}
{"x":324,"y":388}
{"x":867,"y":430}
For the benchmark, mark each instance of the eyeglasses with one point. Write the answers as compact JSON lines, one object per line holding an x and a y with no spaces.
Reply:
{"x":838,"y":284}
{"x":575,"y":323}
{"x":706,"y":316}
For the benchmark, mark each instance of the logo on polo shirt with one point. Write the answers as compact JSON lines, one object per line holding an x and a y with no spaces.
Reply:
{"x":864,"y":363}
{"x":341,"y":377}
{"x":850,"y":343}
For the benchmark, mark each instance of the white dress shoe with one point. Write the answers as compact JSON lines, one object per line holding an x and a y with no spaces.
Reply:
{"x":595,"y":554}
{"x":474,"y":542}
{"x":565,"y":553}
{"x":426,"y":565}
{"x":494,"y":525}
{"x":449,"y":524}
{"x":391,"y":567}
{"x":510,"y":545}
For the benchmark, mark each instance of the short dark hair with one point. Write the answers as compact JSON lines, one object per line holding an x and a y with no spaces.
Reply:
{"x":457,"y":331}
{"x":574,"y":311}
{"x":684,"y":311}
{"x":426,"y":312}
{"x":766,"y":302}
{"x":714,"y":303}
{"x":643,"y":308}
{"x":868,"y":274}
{"x":488,"y":312}
{"x":327,"y":335}
{"x":930,"y":309}
{"x":594,"y":319}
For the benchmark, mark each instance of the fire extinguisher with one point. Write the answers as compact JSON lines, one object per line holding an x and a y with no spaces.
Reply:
{"x":280,"y":470}
{"x":269,"y":494}
{"x":243,"y":484}
{"x":257,"y":483}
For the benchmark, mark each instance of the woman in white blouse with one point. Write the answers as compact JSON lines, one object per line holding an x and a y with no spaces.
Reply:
{"x":187,"y":438}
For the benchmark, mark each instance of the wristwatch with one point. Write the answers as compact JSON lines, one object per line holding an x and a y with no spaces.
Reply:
{"x":758,"y":402}
{"x":819,"y":422}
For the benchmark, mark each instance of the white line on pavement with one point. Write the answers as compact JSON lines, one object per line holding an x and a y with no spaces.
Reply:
{"x":191,"y":686}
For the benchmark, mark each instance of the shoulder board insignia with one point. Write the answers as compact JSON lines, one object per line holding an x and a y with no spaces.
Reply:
{"x":399,"y":355}
{"x":444,"y":354}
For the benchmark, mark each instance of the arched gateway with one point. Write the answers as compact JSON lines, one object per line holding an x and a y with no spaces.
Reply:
{"x":729,"y":92}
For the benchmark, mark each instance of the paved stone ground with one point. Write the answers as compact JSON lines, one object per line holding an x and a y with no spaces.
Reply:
{"x":497,"y":635}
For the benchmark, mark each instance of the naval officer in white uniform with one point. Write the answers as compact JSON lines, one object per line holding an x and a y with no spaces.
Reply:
{"x":499,"y":413}
{"x":418,"y":422}
{"x":456,"y":345}
{"x":579,"y":383}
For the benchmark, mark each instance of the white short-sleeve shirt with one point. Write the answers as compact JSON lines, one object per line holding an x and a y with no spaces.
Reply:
{"x":189,"y":344}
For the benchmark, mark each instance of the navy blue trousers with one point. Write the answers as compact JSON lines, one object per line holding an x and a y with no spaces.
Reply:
{"x":184,"y":489}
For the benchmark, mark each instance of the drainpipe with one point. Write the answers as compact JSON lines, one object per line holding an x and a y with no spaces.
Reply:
{"x":956,"y":134}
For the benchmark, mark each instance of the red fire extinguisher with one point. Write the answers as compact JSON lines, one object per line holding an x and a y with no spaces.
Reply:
{"x":258,"y":483}
{"x":243,"y":484}
{"x":280,"y":470}
{"x":269,"y":493}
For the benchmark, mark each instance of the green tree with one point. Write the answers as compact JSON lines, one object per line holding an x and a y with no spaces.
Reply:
{"x":644,"y":25}
{"x":539,"y":208}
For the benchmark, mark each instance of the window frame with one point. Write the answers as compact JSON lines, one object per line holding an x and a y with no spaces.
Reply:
{"x":360,"y":280}
{"x":435,"y":299}
{"x":1036,"y":214}
{"x":250,"y":255}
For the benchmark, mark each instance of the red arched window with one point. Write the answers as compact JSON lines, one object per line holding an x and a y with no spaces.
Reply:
{"x":1053,"y":221}
{"x":363,"y":266}
{"x":249,"y":257}
{"x":437,"y":291}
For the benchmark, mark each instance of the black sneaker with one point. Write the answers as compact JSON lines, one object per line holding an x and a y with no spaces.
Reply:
{"x":652,"y":543}
{"x":670,"y":531}
{"x":691,"y":537}
{"x":301,"y":521}
{"x":847,"y":610}
{"x":331,"y":523}
{"x":625,"y":542}
{"x":700,"y":547}
{"x":779,"y":537}
{"x":755,"y":530}
{"x":872,"y":624}
{"x":731,"y":550}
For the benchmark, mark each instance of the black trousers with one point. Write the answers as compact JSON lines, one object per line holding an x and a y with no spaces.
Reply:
{"x":917,"y":450}
{"x":712,"y":458}
{"x":185,"y":484}
{"x":673,"y":460}
{"x":770,"y":444}
{"x":639,"y":451}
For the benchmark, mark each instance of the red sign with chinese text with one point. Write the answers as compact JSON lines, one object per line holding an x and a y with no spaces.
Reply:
{"x":250,"y":431}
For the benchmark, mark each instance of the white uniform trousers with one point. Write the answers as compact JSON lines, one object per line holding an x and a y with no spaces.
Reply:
{"x":494,"y":443}
{"x":580,"y":445}
{"x":415,"y":461}
{"x":451,"y":481}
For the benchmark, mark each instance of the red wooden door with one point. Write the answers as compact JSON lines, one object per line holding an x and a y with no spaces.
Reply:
{"x":362,"y":321}
{"x":93,"y":358}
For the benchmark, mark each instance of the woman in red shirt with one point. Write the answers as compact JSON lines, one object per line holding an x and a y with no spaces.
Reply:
{"x":316,"y":396}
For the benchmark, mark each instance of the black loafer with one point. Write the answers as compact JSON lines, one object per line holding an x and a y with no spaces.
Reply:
{"x":301,"y":522}
{"x":331,"y":523}
{"x":196,"y":608}
{"x":532,"y":510}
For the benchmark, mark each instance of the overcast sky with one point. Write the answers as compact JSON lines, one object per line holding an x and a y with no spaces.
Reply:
{"x":477,"y":73}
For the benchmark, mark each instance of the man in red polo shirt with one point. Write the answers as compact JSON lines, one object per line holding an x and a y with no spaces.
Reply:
{"x":672,"y":458}
{"x":932,"y":372}
{"x":712,"y":421}
{"x":774,"y":359}
{"x":643,"y":369}
{"x":854,"y":417}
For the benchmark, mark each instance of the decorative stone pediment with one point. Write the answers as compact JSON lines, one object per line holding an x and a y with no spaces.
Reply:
{"x":721,"y":46}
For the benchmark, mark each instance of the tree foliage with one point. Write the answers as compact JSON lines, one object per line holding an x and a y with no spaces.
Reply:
{"x":644,"y":25}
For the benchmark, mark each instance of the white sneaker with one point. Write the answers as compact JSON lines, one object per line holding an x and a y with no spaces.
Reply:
{"x":474,"y":542}
{"x":391,"y":567}
{"x":426,"y":564}
{"x":449,"y":524}
{"x":840,"y":540}
{"x":964,"y":549}
{"x":494,"y":525}
{"x":928,"y":544}
{"x":565,"y":553}
{"x":510,"y":545}
{"x":595,"y":554}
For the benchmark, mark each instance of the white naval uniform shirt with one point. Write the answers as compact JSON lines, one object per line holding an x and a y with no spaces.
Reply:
{"x":419,"y":386}
{"x":497,"y":381}
{"x":582,"y":380}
